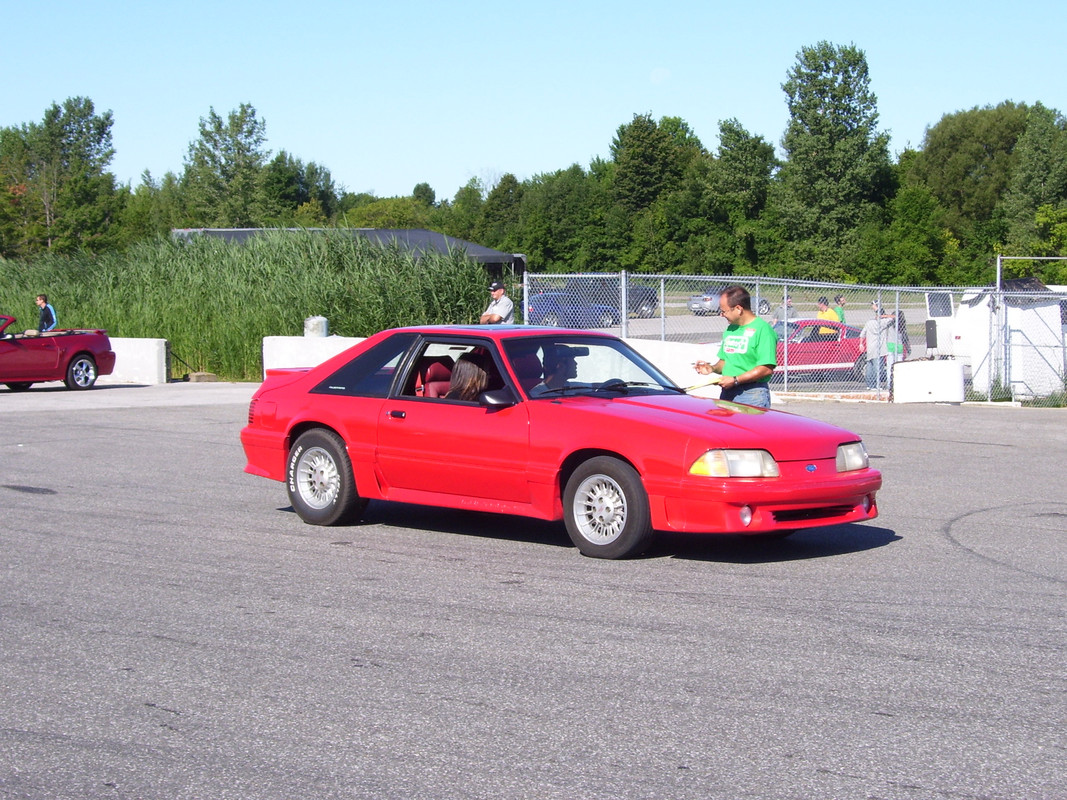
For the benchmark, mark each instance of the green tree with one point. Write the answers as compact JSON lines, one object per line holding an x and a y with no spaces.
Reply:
{"x":391,"y":212}
{"x":837,"y":163}
{"x":461,"y":217}
{"x":287,"y":185}
{"x":556,"y":211}
{"x":647,"y":163}
{"x":424,"y":194}
{"x":223,"y":167}
{"x":60,"y":196}
{"x":966,"y":161}
{"x":1038,"y":179}
{"x":498,"y":226}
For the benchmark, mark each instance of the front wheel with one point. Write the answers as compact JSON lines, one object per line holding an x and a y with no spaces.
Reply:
{"x":81,"y":372}
{"x":605,"y":508}
{"x":764,"y":307}
{"x":319,"y":480}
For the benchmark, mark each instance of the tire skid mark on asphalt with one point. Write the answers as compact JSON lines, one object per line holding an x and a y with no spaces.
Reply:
{"x":952,"y":532}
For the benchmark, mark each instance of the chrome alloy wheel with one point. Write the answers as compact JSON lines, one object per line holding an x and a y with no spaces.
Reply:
{"x":83,"y":372}
{"x":317,"y":478}
{"x":600,"y":509}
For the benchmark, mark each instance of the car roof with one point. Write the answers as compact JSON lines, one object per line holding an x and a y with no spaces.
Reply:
{"x":497,"y":332}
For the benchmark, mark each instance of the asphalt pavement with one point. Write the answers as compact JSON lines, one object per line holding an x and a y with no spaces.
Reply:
{"x":170,"y":629}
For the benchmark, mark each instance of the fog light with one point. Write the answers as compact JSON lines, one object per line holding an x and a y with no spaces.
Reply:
{"x":746,"y":516}
{"x":867,"y":504}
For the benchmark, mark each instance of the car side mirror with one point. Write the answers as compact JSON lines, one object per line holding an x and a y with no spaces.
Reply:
{"x":498,"y":398}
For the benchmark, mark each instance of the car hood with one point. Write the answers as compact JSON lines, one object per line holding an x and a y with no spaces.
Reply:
{"x":717,"y":423}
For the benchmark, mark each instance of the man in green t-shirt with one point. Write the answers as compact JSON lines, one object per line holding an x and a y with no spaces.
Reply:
{"x":748,"y":354}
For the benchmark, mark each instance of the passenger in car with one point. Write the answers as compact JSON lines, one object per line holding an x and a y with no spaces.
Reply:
{"x":469,"y":379}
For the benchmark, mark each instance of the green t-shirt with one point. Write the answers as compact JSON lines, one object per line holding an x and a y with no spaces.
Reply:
{"x":747,"y":346}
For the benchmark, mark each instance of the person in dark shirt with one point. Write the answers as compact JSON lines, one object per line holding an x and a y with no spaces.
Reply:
{"x":47,"y":320}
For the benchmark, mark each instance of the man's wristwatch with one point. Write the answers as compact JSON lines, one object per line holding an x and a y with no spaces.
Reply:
{"x":736,"y":382}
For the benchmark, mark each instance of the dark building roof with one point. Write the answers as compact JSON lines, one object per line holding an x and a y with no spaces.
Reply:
{"x":415,"y":240}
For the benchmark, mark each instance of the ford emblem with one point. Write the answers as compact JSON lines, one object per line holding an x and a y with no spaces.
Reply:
{"x":811,"y":467}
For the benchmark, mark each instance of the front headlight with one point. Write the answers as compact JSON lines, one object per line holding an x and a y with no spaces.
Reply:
{"x":735,"y":464}
{"x":852,"y":456}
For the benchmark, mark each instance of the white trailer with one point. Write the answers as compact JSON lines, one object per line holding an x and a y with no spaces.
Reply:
{"x":1013,"y":338}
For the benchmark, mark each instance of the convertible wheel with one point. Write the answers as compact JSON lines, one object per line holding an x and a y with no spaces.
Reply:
{"x":605,"y":508}
{"x":81,"y":372}
{"x":320,"y":483}
{"x":21,"y":386}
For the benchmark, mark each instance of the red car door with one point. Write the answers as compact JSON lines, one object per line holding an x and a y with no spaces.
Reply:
{"x":455,"y":448}
{"x":34,"y":357}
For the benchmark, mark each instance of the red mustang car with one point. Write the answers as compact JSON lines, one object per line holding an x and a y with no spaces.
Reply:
{"x":569,"y":425}
{"x":75,"y":357}
{"x":818,"y":345}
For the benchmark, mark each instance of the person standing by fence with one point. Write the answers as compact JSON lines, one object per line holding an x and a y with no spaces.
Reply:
{"x":876,"y":346}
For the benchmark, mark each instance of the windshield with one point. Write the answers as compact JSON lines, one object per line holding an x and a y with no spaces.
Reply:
{"x":554,"y":366}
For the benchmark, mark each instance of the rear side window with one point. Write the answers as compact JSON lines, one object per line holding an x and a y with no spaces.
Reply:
{"x":370,"y":374}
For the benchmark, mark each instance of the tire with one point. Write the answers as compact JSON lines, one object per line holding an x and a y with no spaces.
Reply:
{"x":646,"y":311}
{"x":319,"y":480}
{"x":764,"y":307}
{"x":81,"y":372}
{"x":606,"y":320}
{"x":21,"y":386}
{"x":859,"y":369}
{"x":605,"y":508}
{"x":550,"y":320}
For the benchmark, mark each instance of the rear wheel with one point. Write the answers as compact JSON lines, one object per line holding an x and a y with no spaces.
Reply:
{"x":319,"y":480}
{"x":605,"y":508}
{"x":606,"y":320}
{"x":21,"y":386}
{"x":551,"y":320}
{"x":764,"y":307}
{"x":81,"y":372}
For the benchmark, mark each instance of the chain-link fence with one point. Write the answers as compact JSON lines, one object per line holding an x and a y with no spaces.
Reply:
{"x":836,"y":338}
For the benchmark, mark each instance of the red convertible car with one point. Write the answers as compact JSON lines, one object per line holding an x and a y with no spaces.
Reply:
{"x":568,"y":425}
{"x":76,"y":357}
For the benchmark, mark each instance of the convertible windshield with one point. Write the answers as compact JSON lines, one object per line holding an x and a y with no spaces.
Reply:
{"x":558,"y":366}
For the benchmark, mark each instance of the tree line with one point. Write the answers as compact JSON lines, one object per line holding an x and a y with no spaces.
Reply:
{"x":833,"y":206}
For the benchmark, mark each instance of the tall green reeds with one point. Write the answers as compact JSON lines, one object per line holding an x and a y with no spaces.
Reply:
{"x":215,"y":301}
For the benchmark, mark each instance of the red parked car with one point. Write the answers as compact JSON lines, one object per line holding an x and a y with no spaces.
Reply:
{"x":606,"y":443}
{"x":76,"y":357}
{"x":819,"y":345}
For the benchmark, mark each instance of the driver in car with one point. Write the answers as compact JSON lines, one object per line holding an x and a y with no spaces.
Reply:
{"x":560,"y":367}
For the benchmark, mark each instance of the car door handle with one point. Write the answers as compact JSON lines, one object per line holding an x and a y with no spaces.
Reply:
{"x":398,"y":414}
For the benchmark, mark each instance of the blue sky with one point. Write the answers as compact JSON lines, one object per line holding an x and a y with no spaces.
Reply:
{"x":393,"y":93}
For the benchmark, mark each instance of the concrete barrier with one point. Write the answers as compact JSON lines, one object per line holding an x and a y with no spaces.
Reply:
{"x":141,"y":361}
{"x":939,"y":381}
{"x":303,"y":351}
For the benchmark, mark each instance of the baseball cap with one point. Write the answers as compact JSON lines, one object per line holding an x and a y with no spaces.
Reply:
{"x":495,"y":285}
